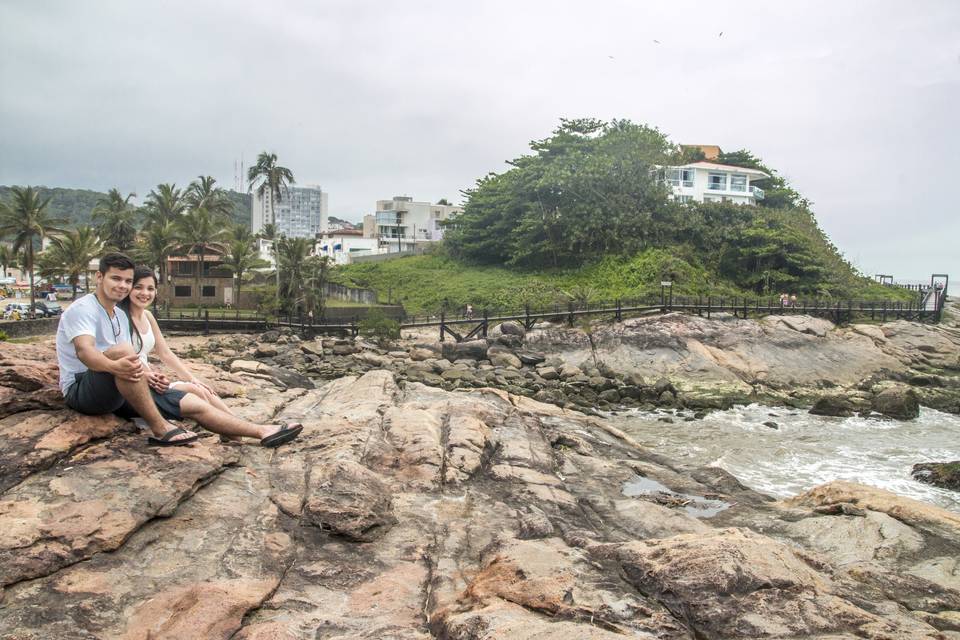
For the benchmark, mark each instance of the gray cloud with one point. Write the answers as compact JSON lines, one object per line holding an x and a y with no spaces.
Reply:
{"x":854,"y":102}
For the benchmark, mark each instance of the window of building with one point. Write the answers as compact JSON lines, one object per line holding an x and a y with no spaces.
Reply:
{"x":686,"y":177}
{"x":208,"y":290}
{"x":717,"y":182}
{"x":182,"y":291}
{"x":738,"y":183}
{"x":184,"y":269}
{"x":673,"y":177}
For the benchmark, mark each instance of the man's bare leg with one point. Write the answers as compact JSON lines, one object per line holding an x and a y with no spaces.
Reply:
{"x":227,"y":424}
{"x":138,"y":395}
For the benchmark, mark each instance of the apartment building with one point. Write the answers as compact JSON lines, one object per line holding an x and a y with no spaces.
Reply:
{"x":301,"y":212}
{"x":401,"y":223}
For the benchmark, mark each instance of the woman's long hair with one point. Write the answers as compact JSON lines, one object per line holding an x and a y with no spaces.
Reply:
{"x":138,"y":274}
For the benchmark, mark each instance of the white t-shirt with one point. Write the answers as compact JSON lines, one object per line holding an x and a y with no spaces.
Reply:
{"x":86,"y":317}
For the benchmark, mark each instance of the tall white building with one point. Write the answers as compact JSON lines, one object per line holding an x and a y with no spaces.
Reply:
{"x":401,"y":223}
{"x":301,"y":212}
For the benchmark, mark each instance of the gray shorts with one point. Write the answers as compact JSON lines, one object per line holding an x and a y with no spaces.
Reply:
{"x":95,"y":393}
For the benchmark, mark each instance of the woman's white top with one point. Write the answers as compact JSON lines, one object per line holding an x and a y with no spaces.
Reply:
{"x":149,"y":342}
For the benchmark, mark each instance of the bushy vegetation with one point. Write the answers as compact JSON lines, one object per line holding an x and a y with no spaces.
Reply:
{"x":594,"y":190}
{"x":378,"y":326}
{"x":587,"y":216}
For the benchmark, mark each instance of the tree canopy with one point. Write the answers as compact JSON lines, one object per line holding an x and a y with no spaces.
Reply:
{"x":594,"y":189}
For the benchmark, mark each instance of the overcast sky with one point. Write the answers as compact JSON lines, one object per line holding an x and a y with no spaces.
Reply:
{"x":856,"y":103}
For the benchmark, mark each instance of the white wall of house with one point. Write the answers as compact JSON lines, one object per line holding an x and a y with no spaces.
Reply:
{"x":340,"y":246}
{"x":711,"y":182}
{"x":401,"y":223}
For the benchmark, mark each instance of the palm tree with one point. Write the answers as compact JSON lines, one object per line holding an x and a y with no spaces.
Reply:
{"x":203,"y":193}
{"x":70,"y":256}
{"x":270,"y":179}
{"x":241,"y":258}
{"x":7,"y":257}
{"x":197,"y":230}
{"x":269,"y":231}
{"x":317,"y":270}
{"x":158,"y":242}
{"x":117,"y":219}
{"x":165,"y":203}
{"x":27,"y":220}
{"x":291,"y":257}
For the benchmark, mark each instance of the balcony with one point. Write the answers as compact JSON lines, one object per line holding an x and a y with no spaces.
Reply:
{"x":756,"y":192}
{"x":388,"y":218}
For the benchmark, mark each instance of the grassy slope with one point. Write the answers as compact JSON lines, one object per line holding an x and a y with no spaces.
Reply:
{"x":424,"y":283}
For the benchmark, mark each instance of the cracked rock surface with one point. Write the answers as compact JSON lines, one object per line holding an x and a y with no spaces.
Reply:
{"x":408,"y":511}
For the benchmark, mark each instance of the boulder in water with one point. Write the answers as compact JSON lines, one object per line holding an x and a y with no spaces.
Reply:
{"x":898,"y":402}
{"x":939,"y":474}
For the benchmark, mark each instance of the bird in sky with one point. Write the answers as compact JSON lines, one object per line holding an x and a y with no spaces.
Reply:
{"x":656,"y":41}
{"x":721,"y":35}
{"x":611,"y":57}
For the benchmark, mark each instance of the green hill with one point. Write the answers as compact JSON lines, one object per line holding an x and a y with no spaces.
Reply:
{"x":587,"y":216}
{"x":73,"y":205}
{"x":76,"y":205}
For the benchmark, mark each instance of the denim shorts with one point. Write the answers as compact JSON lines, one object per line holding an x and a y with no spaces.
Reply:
{"x":95,"y":393}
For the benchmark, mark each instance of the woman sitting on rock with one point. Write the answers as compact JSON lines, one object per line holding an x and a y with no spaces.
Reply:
{"x":146,"y":336}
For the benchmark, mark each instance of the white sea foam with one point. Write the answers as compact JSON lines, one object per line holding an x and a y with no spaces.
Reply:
{"x":807,"y":450}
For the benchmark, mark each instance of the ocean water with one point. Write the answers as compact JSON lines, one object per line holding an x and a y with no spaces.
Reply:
{"x":806,"y":450}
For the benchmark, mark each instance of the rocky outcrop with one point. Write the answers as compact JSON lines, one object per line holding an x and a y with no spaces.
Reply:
{"x":940,"y":474}
{"x":411,"y":511}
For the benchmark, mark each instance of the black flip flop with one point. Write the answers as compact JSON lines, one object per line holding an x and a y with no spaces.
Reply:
{"x":165,"y":439}
{"x":287,"y":433}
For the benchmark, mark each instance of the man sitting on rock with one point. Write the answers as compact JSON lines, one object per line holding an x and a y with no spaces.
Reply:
{"x":100,"y":371}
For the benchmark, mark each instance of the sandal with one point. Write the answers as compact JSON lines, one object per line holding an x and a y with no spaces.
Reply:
{"x":286,"y":433}
{"x":165,"y":439}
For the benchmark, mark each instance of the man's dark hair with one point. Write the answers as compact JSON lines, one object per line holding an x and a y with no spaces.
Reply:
{"x":115,"y":260}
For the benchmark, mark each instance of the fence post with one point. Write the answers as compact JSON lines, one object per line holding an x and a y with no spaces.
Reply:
{"x":744,"y":307}
{"x":619,"y":311}
{"x":526,"y":323}
{"x":884,"y":318}
{"x":442,"y":321}
{"x":206,"y":322}
{"x":708,"y":306}
{"x":570,"y":313}
{"x":485,"y":321}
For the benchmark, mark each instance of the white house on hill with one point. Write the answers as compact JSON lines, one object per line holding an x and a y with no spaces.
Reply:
{"x":712,"y":182}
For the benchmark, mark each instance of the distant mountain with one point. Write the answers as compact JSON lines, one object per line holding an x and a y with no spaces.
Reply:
{"x":73,"y":205}
{"x":76,"y":205}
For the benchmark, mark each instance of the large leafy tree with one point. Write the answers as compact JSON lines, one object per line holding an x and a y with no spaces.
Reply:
{"x":197,"y":230}
{"x":588,"y":190}
{"x":116,"y":220}
{"x":25,"y":220}
{"x":69,"y":255}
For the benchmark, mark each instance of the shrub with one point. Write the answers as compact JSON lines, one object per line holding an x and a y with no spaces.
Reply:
{"x":379,"y":327}
{"x":3,"y":336}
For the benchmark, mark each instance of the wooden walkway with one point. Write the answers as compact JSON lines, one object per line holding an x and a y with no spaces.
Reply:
{"x":461,"y":328}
